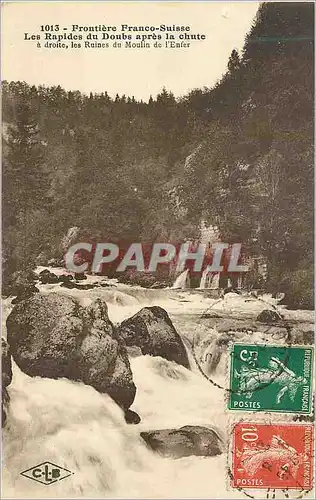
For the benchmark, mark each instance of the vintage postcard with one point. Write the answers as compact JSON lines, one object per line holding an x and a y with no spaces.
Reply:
{"x":157,"y":250}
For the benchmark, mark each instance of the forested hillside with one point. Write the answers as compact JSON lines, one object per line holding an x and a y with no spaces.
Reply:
{"x":238,"y":155}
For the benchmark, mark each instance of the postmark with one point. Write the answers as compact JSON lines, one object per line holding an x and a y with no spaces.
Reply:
{"x":271,"y":378}
{"x":272,"y":456}
{"x":207,"y":359}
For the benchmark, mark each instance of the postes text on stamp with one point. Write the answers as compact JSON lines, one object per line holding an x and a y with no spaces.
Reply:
{"x":271,"y":378}
{"x":272,"y":456}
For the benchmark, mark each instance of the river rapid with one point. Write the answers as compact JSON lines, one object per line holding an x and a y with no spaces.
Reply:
{"x":72,"y":425}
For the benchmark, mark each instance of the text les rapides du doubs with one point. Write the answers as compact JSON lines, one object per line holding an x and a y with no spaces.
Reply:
{"x":106,"y":36}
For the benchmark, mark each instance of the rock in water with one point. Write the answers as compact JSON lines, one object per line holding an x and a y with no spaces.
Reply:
{"x":268,"y":316}
{"x":152,"y":330}
{"x":131,"y":417}
{"x":6,"y":365}
{"x":80,"y":276}
{"x":65,"y":278}
{"x":52,"y":335}
{"x":48,"y":278}
{"x":71,"y":284}
{"x":183,"y":442}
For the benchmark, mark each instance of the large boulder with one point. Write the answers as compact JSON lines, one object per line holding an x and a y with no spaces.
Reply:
{"x":152,"y":331}
{"x":186,"y":441}
{"x":6,"y":366}
{"x":268,"y":316}
{"x":52,"y":335}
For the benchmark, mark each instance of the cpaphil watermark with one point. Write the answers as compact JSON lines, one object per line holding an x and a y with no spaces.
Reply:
{"x":215,"y":258}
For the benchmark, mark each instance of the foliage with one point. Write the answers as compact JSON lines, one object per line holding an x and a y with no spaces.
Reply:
{"x":238,"y":155}
{"x":253,"y":172}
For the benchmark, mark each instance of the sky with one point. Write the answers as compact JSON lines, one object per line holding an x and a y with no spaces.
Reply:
{"x":138,"y":72}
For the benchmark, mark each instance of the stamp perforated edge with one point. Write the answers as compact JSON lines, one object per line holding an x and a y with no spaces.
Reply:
{"x":230,"y":411}
{"x":231,"y":422}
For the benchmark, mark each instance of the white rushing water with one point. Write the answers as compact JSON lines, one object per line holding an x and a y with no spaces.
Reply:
{"x":209,"y":280}
{"x":182,"y":280}
{"x":203,"y":280}
{"x":72,"y":425}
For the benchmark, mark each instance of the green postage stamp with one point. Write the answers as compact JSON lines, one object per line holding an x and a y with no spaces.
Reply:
{"x":271,"y":378}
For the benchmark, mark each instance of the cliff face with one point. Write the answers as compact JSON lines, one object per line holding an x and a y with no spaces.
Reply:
{"x":152,"y":171}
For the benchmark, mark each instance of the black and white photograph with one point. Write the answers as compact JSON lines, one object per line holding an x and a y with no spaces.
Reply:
{"x":157,"y":250}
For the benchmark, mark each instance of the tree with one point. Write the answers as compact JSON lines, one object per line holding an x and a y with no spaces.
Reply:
{"x":25,"y":182}
{"x":25,"y":195}
{"x":252,"y":172}
{"x":234,"y":62}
